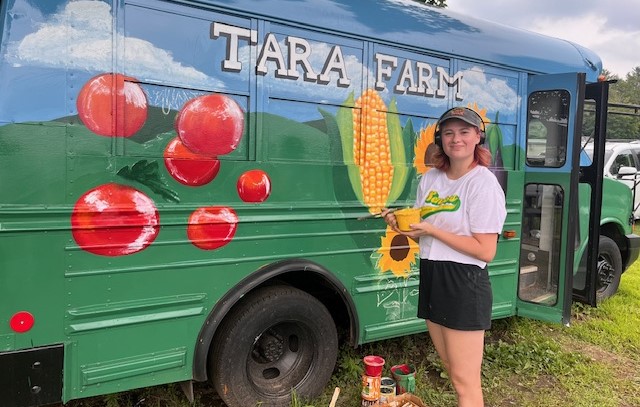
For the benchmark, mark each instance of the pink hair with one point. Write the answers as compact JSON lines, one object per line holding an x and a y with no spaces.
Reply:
{"x":481,"y":156}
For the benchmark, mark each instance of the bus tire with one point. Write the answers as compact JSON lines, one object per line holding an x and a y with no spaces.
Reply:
{"x":278,"y":340}
{"x":609,"y":268}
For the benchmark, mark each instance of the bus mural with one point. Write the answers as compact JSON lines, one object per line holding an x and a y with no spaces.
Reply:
{"x":182,"y":167}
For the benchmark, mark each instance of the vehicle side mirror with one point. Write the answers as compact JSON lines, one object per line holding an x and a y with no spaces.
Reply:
{"x":626,"y":171}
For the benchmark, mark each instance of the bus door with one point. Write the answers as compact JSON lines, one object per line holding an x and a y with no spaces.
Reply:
{"x":591,"y":174}
{"x":550,"y":196}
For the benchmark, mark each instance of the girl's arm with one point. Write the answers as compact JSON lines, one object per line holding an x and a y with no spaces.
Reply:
{"x":482,"y":246}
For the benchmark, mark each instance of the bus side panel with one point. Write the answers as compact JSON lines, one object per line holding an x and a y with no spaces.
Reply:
{"x":135,"y":248}
{"x":504,"y":268}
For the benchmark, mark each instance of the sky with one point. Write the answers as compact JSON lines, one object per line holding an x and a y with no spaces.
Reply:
{"x":609,"y":28}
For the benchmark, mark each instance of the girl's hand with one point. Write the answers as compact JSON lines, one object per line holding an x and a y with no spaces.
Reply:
{"x":390,"y":218}
{"x":419,"y":229}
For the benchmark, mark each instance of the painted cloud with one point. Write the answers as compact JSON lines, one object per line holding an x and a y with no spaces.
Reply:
{"x":88,"y":43}
{"x":492,"y":94}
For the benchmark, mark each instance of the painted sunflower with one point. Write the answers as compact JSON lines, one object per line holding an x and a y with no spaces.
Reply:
{"x":397,"y":254}
{"x":424,"y":149}
{"x":482,"y":112}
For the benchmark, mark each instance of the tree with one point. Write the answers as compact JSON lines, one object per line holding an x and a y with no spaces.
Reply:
{"x":628,"y":90}
{"x":624,"y":122}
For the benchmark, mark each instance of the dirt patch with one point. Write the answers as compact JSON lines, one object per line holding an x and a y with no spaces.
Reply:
{"x":626,"y":367}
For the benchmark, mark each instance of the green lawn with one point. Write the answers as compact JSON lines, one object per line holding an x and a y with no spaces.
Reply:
{"x":593,"y":362}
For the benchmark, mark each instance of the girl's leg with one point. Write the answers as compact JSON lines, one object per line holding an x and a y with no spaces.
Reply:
{"x":461,"y":352}
{"x":437,"y":337}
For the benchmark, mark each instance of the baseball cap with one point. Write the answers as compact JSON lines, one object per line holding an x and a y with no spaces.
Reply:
{"x":463,"y":113}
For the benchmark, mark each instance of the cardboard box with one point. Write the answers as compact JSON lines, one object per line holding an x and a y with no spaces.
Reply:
{"x":405,"y":400}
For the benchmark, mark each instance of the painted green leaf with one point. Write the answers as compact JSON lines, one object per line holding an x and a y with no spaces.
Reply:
{"x":342,"y":123}
{"x":344,"y":119}
{"x":408,"y":134}
{"x":148,"y":173}
{"x":398,"y":156}
{"x":493,"y":139}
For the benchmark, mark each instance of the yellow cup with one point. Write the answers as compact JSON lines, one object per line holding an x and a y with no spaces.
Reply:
{"x":406,"y":217}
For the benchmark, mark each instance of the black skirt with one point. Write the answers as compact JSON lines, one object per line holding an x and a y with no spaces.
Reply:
{"x":455,"y":295}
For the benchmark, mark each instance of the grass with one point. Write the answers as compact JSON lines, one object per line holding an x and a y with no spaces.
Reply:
{"x":594,"y":361}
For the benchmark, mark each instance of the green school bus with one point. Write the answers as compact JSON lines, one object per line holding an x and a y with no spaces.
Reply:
{"x":189,"y":188}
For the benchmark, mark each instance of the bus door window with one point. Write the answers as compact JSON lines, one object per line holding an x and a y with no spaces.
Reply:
{"x":547,"y":128}
{"x":541,"y":239}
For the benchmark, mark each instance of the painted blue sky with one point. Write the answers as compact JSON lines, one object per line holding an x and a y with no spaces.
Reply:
{"x":76,"y":36}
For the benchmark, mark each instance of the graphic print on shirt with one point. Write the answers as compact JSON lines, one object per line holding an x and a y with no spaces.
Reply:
{"x":434,"y":204}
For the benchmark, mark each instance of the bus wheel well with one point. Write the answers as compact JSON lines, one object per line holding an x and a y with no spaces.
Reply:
{"x":615,"y":233}
{"x":301,"y":274}
{"x":320,"y":288}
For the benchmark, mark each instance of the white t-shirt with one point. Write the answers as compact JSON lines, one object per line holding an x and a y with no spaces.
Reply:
{"x":474,"y":203}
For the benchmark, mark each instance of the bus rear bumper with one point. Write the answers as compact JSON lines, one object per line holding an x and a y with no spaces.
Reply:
{"x":633,"y":244}
{"x":31,"y":377}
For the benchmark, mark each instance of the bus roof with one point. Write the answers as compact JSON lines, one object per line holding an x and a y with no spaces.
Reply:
{"x":416,"y":25}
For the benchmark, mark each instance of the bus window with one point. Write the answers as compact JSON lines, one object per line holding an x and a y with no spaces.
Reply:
{"x":547,"y":128}
{"x":541,"y":235}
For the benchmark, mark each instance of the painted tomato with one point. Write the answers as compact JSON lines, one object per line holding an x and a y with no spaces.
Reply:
{"x":188,"y":167}
{"x":95,"y":105}
{"x":211,"y":125}
{"x":254,"y":186}
{"x":114,"y":220}
{"x":212,"y":227}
